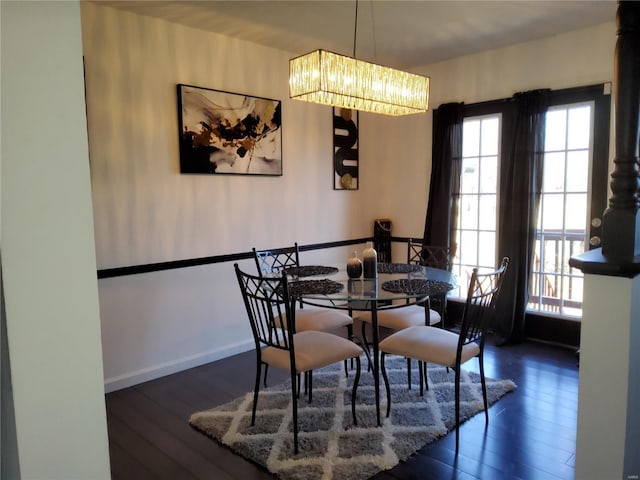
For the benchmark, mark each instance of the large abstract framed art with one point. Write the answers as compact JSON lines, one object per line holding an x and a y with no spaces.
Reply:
{"x":345,"y":149}
{"x":228,"y":133}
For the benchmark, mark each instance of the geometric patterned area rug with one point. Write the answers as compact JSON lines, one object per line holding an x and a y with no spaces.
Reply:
{"x":331,"y":447}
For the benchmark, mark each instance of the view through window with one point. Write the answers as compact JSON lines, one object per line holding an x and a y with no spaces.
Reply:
{"x":477,"y":201}
{"x":555,"y":287}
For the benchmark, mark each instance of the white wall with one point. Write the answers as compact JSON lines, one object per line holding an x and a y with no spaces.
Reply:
{"x":571,"y":59}
{"x":146,"y":212}
{"x":48,"y":253}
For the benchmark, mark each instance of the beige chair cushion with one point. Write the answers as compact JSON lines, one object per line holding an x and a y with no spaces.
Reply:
{"x":313,"y":350}
{"x":401,"y":318}
{"x":324,"y":319}
{"x":429,"y":344}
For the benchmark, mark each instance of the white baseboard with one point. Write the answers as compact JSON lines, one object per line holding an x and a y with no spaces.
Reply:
{"x":144,"y":375}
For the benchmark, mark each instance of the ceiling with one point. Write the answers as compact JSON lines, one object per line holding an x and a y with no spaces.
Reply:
{"x":397,"y":33}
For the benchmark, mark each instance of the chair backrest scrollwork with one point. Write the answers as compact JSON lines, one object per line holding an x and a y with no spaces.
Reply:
{"x":266,"y":300}
{"x":484,"y":289}
{"x":428,"y":255}
{"x":269,"y":262}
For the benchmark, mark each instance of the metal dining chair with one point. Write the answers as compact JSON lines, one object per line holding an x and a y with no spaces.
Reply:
{"x":307,"y":318}
{"x":434,"y":256}
{"x":437,"y":345}
{"x":273,"y":262}
{"x":419,"y":313}
{"x":271,"y":313}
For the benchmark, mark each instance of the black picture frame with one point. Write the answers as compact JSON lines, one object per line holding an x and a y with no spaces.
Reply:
{"x":345,"y":149}
{"x":224,"y":133}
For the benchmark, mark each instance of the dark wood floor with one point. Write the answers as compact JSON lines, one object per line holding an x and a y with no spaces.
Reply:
{"x":531,"y":432}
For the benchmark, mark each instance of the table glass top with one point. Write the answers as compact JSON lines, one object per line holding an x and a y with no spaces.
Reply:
{"x":396,"y":281}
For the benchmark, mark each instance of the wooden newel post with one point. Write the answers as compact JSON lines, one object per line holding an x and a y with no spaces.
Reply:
{"x":620,"y":252}
{"x":608,"y":415}
{"x":621,"y":221}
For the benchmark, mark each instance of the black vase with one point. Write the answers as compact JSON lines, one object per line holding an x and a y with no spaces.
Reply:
{"x":354,"y":266}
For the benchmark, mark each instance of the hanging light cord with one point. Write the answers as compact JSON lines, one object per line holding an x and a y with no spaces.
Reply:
{"x":373,"y":32}
{"x":355,"y":32}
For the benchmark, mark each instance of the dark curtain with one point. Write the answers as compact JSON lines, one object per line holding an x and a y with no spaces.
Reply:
{"x":520,"y":186}
{"x":446,"y":163}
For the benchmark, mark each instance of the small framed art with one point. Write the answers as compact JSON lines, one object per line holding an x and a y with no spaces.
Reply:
{"x":228,"y":133}
{"x":345,"y":149}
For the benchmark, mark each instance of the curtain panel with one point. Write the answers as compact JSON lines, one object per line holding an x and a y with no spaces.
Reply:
{"x":446,"y":163}
{"x":519,"y":195}
{"x":520,"y":190}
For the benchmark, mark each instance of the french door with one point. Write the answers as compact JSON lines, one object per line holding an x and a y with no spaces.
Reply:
{"x":573,"y":198}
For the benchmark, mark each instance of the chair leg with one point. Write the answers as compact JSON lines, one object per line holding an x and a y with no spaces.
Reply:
{"x":426,"y":376}
{"x":386,"y":382}
{"x":255,"y":390}
{"x":266,"y":370}
{"x":359,"y":342}
{"x":457,"y":384}
{"x":365,"y":342}
{"x":350,"y":337}
{"x":484,"y":387}
{"x":353,"y":392}
{"x":443,"y":312}
{"x":421,"y":375}
{"x":310,"y":382}
{"x":294,"y":404}
{"x":409,"y":373}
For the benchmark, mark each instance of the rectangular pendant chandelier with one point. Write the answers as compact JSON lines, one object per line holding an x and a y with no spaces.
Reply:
{"x":331,"y":79}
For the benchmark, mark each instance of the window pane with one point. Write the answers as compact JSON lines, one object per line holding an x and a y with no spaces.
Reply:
{"x":540,"y":210}
{"x":579,"y":127}
{"x":552,"y":253}
{"x":468,"y":248}
{"x":552,"y":212}
{"x":572,"y":247}
{"x":555,"y":131}
{"x":556,"y":288}
{"x":536,"y":256}
{"x":489,"y":175}
{"x":553,"y":176}
{"x":470,"y":173}
{"x":490,"y":136}
{"x":487,"y":213}
{"x":577,"y":171}
{"x":471,"y":138}
{"x":477,"y":198}
{"x":468,"y":212}
{"x":577,"y":205}
{"x":487,"y":249}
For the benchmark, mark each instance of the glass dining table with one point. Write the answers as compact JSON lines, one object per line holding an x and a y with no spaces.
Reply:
{"x":396,"y":286}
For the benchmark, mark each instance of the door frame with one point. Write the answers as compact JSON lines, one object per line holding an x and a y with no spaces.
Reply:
{"x":566,"y":331}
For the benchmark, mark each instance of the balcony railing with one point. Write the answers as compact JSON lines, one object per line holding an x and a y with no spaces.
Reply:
{"x":556,"y":288}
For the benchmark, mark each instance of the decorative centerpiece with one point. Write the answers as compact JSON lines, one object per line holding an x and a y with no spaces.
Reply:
{"x":354,"y":266}
{"x":370,"y":261}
